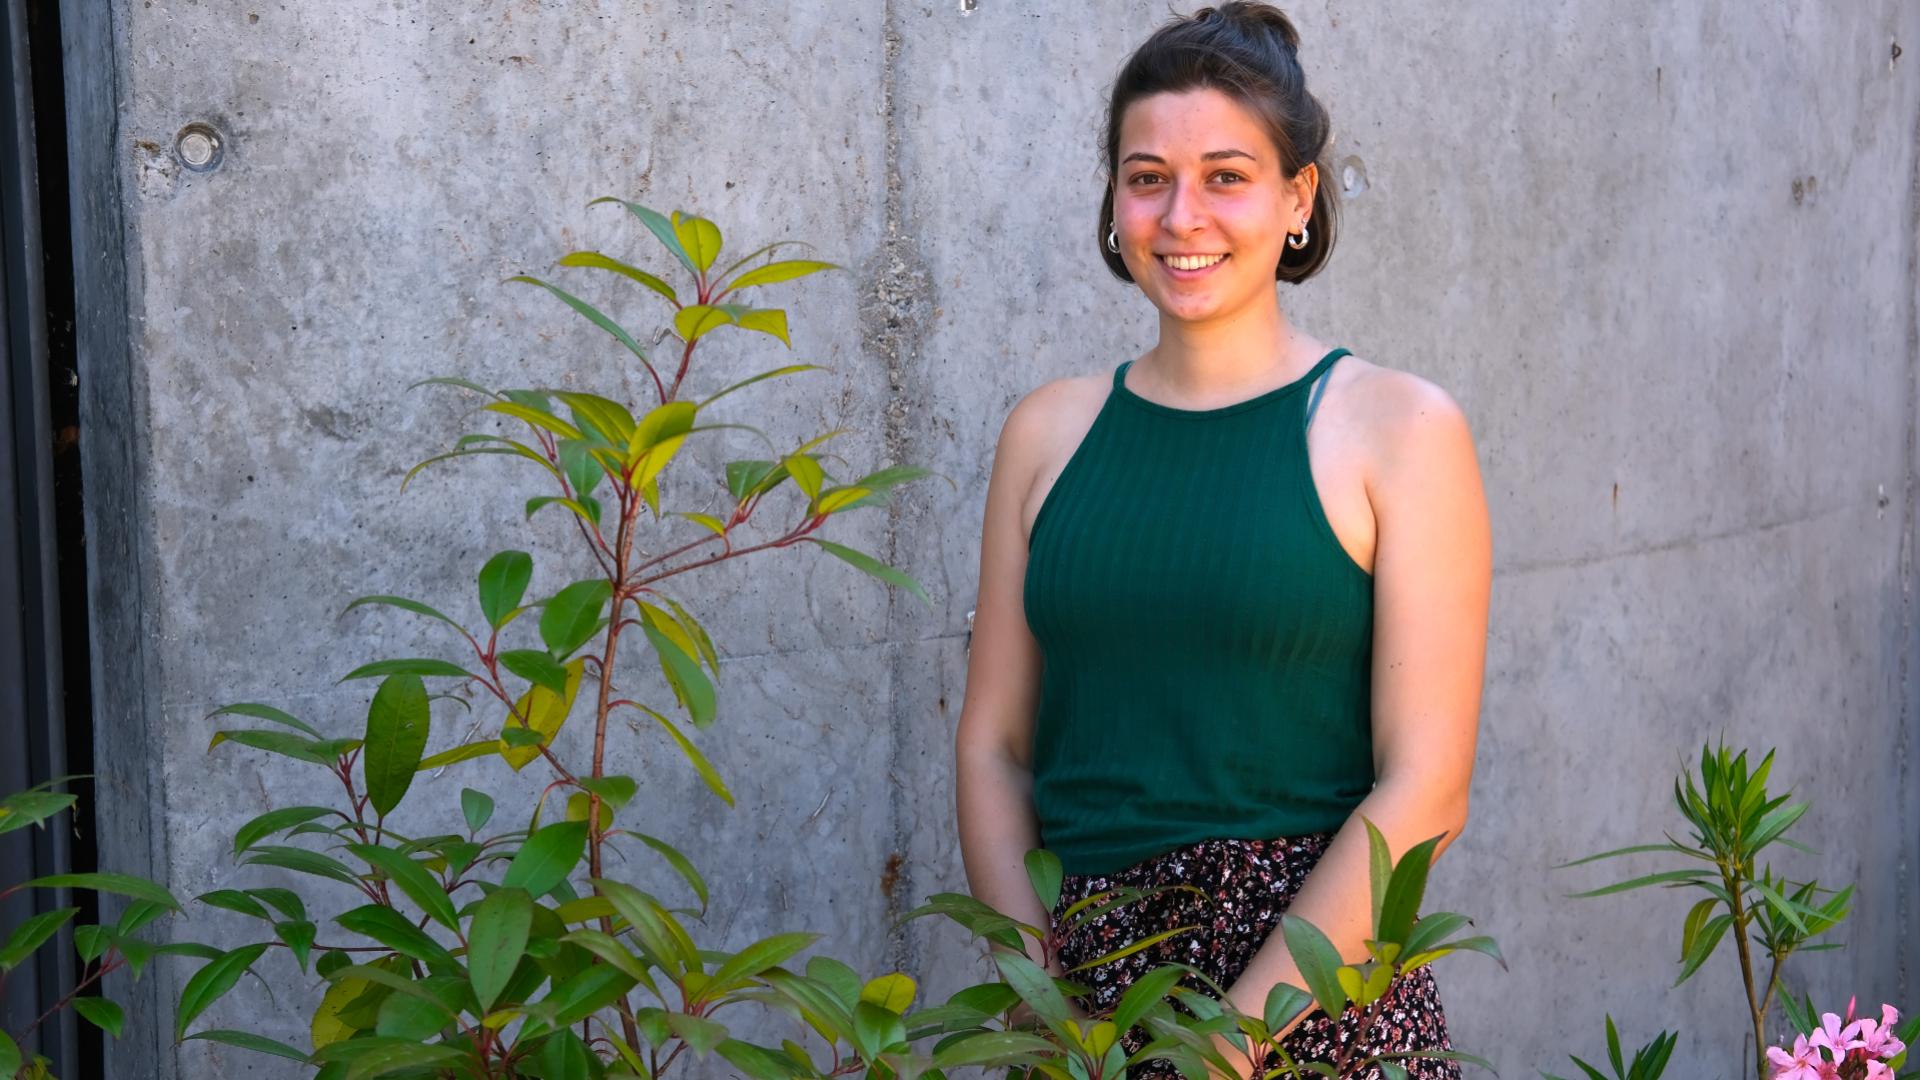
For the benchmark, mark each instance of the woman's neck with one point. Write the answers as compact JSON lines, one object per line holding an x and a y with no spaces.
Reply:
{"x":1251,"y":350}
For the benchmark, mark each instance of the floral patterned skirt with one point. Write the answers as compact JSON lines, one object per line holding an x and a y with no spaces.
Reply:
{"x":1248,"y":885}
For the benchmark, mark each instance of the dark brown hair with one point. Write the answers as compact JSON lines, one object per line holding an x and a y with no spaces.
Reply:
{"x":1248,"y":51}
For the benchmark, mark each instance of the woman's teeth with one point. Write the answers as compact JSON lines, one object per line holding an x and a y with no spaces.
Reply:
{"x":1191,"y":262}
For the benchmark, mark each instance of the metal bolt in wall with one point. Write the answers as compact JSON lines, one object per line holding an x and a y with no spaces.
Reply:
{"x":198,"y":146}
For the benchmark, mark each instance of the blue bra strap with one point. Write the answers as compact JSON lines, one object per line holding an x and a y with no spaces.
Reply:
{"x":1319,"y":385}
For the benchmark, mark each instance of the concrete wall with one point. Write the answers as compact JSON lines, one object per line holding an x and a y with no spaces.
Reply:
{"x":1664,"y":255}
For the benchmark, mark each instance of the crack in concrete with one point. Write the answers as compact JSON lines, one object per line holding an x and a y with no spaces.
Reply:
{"x":1684,"y":542}
{"x":1905,"y":871}
{"x":894,"y":313}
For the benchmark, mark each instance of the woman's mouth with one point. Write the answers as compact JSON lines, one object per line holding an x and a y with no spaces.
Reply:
{"x":1189,"y":267}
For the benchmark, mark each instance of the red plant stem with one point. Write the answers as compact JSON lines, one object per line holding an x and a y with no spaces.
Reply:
{"x":792,"y":537}
{"x":113,"y":961}
{"x":630,"y":504}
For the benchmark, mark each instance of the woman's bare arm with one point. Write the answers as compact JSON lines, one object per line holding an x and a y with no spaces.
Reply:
{"x":993,"y":747}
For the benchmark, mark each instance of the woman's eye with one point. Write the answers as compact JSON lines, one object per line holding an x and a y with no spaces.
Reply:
{"x":1141,"y":178}
{"x":1226,"y":175}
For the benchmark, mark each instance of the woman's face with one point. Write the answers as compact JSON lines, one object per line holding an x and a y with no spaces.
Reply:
{"x":1201,"y":203}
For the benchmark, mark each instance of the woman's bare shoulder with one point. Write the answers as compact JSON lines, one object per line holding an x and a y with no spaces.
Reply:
{"x":1055,"y":412}
{"x":1406,"y":416}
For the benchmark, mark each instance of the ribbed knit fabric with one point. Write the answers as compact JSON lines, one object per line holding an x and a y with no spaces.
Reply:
{"x":1207,"y":641}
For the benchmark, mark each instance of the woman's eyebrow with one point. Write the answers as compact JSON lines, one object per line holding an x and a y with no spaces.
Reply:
{"x":1211,"y":155}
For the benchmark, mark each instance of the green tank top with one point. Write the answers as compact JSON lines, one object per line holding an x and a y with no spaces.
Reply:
{"x":1206,"y":640}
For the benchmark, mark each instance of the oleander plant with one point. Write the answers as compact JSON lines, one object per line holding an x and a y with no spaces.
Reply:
{"x":1732,"y":819}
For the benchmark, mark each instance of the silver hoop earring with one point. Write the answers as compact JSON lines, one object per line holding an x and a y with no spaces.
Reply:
{"x":1113,"y":242}
{"x":1303,"y":238}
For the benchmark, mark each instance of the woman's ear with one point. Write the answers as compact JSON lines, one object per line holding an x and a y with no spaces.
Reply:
{"x":1306,"y":183}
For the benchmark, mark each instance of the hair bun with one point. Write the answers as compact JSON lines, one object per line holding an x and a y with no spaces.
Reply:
{"x":1249,"y":14}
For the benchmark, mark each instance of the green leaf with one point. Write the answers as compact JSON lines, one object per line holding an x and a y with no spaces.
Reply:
{"x":298,"y":934}
{"x":760,"y":1063}
{"x":537,"y":667}
{"x":1317,"y":960}
{"x":503,"y":582}
{"x":601,"y":262}
{"x":1404,"y":892}
{"x":396,"y":932}
{"x":746,"y":477}
{"x":785,"y":270}
{"x":210,"y":982}
{"x":234,"y":900}
{"x":287,"y":744}
{"x":400,"y":1057}
{"x":119,"y":884}
{"x":1134,"y":946}
{"x":274,"y":821}
{"x":770,"y":321}
{"x":31,"y":934}
{"x":9,"y":1055}
{"x":563,"y":1056}
{"x":402,"y":603}
{"x":875,"y":567}
{"x":24,"y":808}
{"x":449,"y":380}
{"x":1704,"y":943}
{"x":695,"y":320}
{"x":1034,"y":986}
{"x":679,"y":862}
{"x":601,"y":417}
{"x":657,"y":224}
{"x":1044,"y":874}
{"x":689,"y":683}
{"x":616,"y":791}
{"x":100,"y":1013}
{"x":572,"y":617}
{"x":304,"y":861}
{"x":476,"y":807}
{"x":1690,"y":929}
{"x":1636,"y":849}
{"x":585,"y":993}
{"x":992,"y":1048}
{"x":699,"y":1033}
{"x":1775,"y":823}
{"x":788,"y":369}
{"x":1786,"y":908}
{"x":1642,"y":882}
{"x":547,"y":857}
{"x":498,"y":940}
{"x":760,"y":956}
{"x":698,"y":237}
{"x":408,"y":1017}
{"x":413,"y":880}
{"x":1144,"y":993}
{"x":694,"y":755}
{"x":397,"y":727}
{"x":411,"y":666}
{"x":1379,"y":869}
{"x":247,"y":1040}
{"x":1285,"y":1002}
{"x":543,"y":712}
{"x":265,"y":712}
{"x":463,"y":752}
{"x":592,"y":315}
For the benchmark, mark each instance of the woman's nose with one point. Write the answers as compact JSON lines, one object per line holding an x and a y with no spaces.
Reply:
{"x":1184,"y":211}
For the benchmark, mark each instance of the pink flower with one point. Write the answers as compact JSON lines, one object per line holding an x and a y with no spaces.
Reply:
{"x":1877,"y":1070}
{"x":1835,"y":1038}
{"x":1877,"y":1037}
{"x":1805,"y":1063}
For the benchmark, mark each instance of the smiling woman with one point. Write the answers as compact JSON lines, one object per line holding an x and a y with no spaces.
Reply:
{"x":1233,"y":594}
